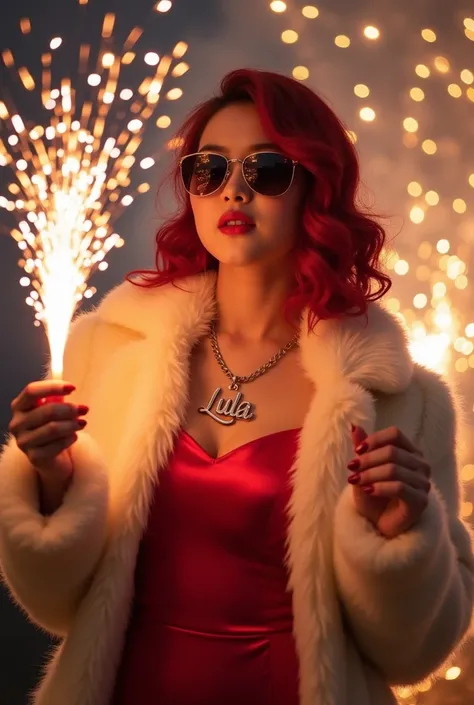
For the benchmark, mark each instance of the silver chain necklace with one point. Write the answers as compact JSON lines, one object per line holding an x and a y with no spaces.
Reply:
{"x":228,"y":411}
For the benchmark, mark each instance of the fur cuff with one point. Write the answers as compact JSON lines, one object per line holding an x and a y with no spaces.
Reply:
{"x":20,"y":520}
{"x":360,"y":544}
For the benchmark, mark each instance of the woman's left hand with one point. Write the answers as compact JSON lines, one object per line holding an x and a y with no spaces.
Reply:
{"x":391,"y":480}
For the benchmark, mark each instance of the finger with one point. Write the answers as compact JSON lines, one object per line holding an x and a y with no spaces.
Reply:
{"x":52,"y":432}
{"x":35,"y":391}
{"x":390,"y":473}
{"x":391,"y":436}
{"x":358,"y":435}
{"x":390,"y":454}
{"x":52,"y":450}
{"x":27,"y":421}
{"x":413,"y":497}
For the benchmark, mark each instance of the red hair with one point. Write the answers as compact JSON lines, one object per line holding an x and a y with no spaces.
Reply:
{"x":337,"y":255}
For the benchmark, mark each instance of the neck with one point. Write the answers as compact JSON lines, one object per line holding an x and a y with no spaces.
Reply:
{"x":250,"y":304}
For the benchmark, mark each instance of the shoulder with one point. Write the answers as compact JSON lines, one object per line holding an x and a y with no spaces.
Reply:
{"x":83,"y":326}
{"x":441,"y":402}
{"x":79,"y":342}
{"x":89,"y":329}
{"x":442,"y":419}
{"x":370,"y":350}
{"x":443,"y":423}
{"x":140,"y":308}
{"x":91,"y":343}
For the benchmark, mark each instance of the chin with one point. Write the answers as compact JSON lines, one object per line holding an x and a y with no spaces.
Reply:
{"x":238,"y":261}
{"x":236,"y":251}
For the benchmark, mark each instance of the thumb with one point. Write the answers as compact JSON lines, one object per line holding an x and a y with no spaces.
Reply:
{"x":358,"y":435}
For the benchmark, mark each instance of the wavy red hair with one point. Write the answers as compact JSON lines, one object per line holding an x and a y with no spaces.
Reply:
{"x":337,"y":257}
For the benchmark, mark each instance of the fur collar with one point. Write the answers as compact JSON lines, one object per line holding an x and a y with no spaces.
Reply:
{"x":345,"y":359}
{"x":371,"y":351}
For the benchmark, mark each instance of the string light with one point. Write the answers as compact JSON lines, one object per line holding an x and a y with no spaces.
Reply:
{"x":70,"y":178}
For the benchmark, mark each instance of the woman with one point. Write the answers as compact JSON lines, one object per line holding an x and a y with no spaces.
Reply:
{"x":265,"y":508}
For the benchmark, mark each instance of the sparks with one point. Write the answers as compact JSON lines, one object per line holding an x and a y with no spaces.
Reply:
{"x":72,"y":173}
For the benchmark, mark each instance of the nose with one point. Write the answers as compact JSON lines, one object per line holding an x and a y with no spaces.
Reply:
{"x":235,"y":188}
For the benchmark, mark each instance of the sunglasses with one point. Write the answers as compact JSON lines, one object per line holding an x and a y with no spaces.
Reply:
{"x":266,"y":173}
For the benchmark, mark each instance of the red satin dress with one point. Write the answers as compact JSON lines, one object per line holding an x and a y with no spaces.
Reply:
{"x":212,"y":619}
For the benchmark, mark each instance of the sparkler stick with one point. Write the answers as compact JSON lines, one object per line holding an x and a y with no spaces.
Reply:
{"x":71,"y":174}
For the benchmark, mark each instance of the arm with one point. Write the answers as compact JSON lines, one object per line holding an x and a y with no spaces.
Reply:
{"x":47,"y":561}
{"x":408,"y":600}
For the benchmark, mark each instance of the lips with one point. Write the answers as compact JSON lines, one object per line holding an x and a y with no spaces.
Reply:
{"x":235,"y":218}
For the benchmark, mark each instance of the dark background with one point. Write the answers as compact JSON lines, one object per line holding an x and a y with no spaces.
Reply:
{"x":223,"y":35}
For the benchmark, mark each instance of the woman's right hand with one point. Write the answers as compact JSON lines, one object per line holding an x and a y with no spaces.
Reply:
{"x":45,"y":427}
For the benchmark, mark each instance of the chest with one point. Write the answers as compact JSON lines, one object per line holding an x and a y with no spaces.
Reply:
{"x":221,"y":419}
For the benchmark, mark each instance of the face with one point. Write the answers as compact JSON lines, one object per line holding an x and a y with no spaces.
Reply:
{"x":234,"y":132}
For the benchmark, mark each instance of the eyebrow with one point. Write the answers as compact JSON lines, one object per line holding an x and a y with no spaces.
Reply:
{"x":253,"y":147}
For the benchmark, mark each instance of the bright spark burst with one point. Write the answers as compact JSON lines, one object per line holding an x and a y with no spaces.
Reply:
{"x":71,"y":173}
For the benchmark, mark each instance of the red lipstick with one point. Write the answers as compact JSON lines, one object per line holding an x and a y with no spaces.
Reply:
{"x":235,"y":223}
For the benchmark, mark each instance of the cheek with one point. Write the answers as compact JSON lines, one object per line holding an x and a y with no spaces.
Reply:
{"x":283,"y":216}
{"x":196,"y":208}
{"x":292,"y":211}
{"x":203,"y":214}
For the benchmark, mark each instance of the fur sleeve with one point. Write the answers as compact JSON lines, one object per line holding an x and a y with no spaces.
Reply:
{"x":409,"y":600}
{"x":46,"y":561}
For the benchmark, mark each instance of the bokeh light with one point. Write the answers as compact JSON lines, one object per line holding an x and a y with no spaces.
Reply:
{"x":310,"y":12}
{"x":342,"y":41}
{"x":410,"y":113}
{"x":371,"y":32}
{"x":289,"y":36}
{"x":278,"y":6}
{"x":301,"y":73}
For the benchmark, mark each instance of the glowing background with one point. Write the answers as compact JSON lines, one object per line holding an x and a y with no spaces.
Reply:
{"x":406,"y":84}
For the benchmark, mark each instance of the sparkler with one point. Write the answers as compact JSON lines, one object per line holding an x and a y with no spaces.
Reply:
{"x":72,"y":174}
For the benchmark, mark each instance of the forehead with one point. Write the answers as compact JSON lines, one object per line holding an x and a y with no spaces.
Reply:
{"x":235,"y":128}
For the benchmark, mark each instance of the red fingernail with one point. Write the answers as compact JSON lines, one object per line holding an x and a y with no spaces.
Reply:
{"x":368,"y":490}
{"x":82,"y":423}
{"x":53,"y":399}
{"x":362,"y":448}
{"x":82,"y":410}
{"x":353,"y":428}
{"x":353,"y":479}
{"x":68,"y":388}
{"x":354,"y":464}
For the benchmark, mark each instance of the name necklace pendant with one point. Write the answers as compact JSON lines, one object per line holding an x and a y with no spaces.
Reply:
{"x":228,"y":411}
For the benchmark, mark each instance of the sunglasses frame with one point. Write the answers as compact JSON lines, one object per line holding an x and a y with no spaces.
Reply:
{"x":228,"y":172}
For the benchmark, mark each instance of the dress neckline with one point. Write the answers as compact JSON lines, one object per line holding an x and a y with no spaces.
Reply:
{"x":237,"y":449}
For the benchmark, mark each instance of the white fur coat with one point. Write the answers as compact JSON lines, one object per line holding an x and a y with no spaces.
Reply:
{"x":369,"y":613}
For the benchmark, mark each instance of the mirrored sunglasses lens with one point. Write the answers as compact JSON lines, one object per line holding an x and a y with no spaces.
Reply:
{"x":268,"y":174}
{"x":203,"y":173}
